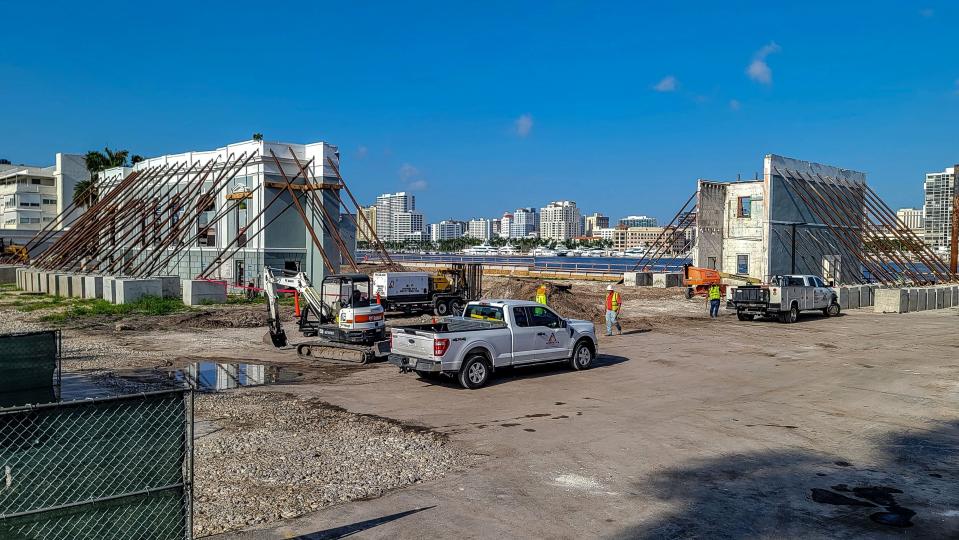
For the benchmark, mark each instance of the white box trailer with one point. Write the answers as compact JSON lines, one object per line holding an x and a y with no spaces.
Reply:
{"x":400,"y":286}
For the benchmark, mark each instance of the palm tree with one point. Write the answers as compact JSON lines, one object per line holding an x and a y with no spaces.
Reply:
{"x":85,"y":192}
{"x":257,"y":136}
{"x":137,"y":158}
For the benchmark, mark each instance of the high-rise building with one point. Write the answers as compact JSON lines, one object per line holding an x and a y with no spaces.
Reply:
{"x":593,"y":222}
{"x":497,"y":225}
{"x":406,"y":226}
{"x":560,"y":220}
{"x":480,"y":229}
{"x":940,"y":193}
{"x":525,"y":223}
{"x":505,"y":223}
{"x":447,"y":230}
{"x":388,"y":204}
{"x":366,"y":223}
{"x":913,"y":218}
{"x":637,"y":221}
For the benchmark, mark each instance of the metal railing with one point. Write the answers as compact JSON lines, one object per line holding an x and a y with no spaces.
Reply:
{"x":602,"y":265}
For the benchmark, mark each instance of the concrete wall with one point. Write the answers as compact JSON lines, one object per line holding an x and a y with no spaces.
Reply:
{"x":708,"y":252}
{"x":638,"y":279}
{"x":915,"y":299}
{"x":667,"y":280}
{"x":92,"y":287}
{"x":792,"y":222}
{"x":131,"y":290}
{"x":8,"y":274}
{"x":744,"y":236}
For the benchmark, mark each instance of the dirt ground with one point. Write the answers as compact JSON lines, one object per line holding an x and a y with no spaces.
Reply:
{"x":268,"y":454}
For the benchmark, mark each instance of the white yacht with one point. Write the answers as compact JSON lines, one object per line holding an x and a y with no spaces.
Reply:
{"x":543,"y":252}
{"x":637,"y":252}
{"x":508,"y":250}
{"x":481,"y":250}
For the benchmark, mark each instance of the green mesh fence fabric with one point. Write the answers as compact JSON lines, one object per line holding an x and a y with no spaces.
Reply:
{"x":28,"y":367}
{"x":112,"y":468}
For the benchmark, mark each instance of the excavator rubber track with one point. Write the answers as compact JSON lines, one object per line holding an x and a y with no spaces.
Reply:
{"x":338,"y":353}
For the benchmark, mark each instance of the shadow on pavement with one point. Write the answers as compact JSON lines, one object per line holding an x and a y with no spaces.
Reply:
{"x":910,"y":490}
{"x":513,"y":373}
{"x":359,"y":526}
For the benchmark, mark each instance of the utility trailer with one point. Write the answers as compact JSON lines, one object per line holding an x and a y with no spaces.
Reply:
{"x":442,"y":292}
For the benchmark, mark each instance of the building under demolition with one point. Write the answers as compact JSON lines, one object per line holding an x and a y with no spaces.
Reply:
{"x":222,"y":214}
{"x":807,"y":218}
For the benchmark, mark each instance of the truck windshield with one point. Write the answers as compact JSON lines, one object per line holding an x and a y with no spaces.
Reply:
{"x":486,"y":313}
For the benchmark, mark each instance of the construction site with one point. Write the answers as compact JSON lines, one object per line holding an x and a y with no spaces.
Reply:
{"x":216,"y":299}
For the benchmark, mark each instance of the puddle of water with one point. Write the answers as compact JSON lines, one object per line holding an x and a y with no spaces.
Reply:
{"x":217,"y":376}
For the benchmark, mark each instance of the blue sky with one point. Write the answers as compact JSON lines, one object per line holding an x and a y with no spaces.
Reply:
{"x":485,"y":107}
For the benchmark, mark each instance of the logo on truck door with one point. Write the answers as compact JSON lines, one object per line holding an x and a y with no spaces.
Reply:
{"x":551,"y":340}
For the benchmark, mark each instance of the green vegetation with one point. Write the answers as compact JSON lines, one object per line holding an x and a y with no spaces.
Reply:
{"x":148,"y":305}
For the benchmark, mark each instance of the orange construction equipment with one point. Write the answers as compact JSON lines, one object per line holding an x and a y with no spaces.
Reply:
{"x":697,"y":280}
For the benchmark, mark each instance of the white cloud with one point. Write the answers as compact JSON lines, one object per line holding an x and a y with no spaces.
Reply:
{"x":927,"y":12}
{"x":417,"y":185}
{"x":408,"y":171}
{"x":758,"y":70}
{"x":412,"y":178}
{"x":524,"y":124}
{"x":667,"y":84}
{"x":735,"y":105}
{"x":362,"y":152}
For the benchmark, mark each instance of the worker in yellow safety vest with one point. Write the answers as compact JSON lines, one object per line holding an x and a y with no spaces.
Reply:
{"x":541,"y":294}
{"x":613,"y":305}
{"x":714,"y":295}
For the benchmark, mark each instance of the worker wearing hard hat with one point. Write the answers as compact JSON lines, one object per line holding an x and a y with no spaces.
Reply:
{"x":714,"y":295}
{"x":541,"y":294}
{"x":613,"y":304}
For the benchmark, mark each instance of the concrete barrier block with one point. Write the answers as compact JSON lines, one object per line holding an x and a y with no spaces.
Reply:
{"x":891,"y":301}
{"x":196,"y":292}
{"x":19,"y":277}
{"x":913,"y":295}
{"x":110,"y":289}
{"x":955,"y":295}
{"x":92,"y":287}
{"x":77,"y":284}
{"x":664,"y":280}
{"x":946,"y":297}
{"x":867,"y":295}
{"x":8,"y":274}
{"x":170,"y":287}
{"x":53,"y":287}
{"x":843,"y":298}
{"x":921,"y":294}
{"x":42,"y":283}
{"x":930,"y":298}
{"x":65,"y":285}
{"x":940,"y":297}
{"x":130,"y":290}
{"x":638,"y":279}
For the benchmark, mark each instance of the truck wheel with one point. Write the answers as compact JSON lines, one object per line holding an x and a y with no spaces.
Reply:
{"x":690,"y":293}
{"x":456,"y":307}
{"x":442,"y":308}
{"x":475,"y":372}
{"x":582,"y":356}
{"x":832,"y":310}
{"x":743,"y":317}
{"x":792,"y":315}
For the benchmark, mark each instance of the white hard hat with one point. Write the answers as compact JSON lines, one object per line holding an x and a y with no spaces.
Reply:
{"x":609,"y":287}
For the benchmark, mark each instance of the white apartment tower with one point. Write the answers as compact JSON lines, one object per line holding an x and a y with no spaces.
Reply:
{"x":560,"y":220}
{"x":447,"y":230}
{"x":940,"y":193}
{"x":387,"y":205}
{"x":525,"y":223}
{"x":480,"y":229}
{"x":913,"y":218}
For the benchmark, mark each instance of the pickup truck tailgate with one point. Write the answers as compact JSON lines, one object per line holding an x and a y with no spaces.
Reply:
{"x":412,"y":345}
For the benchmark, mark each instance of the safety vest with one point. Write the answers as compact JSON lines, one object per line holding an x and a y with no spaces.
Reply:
{"x":612,"y":301}
{"x":714,"y":292}
{"x":541,"y":295}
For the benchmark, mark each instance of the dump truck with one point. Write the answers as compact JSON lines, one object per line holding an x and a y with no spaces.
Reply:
{"x":697,"y":280}
{"x":442,"y":292}
{"x":785,"y":297}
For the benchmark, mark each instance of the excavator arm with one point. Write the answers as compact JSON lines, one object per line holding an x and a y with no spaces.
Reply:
{"x":271,"y":284}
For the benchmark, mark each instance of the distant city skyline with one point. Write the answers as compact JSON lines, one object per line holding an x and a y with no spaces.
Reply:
{"x":663,"y":94}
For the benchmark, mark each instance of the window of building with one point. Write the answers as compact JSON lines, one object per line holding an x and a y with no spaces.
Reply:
{"x":49,"y":201}
{"x":744,"y":207}
{"x":29,"y":204}
{"x":26,"y":220}
{"x":742,"y":264}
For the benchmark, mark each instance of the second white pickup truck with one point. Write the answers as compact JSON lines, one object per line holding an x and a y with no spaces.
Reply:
{"x":492,"y":334}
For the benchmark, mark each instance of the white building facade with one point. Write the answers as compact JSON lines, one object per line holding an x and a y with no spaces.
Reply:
{"x":480,"y":229}
{"x":637,"y":221}
{"x":32,"y":197}
{"x":447,"y":230}
{"x":914,"y":219}
{"x":525,"y":223}
{"x":560,"y":220}
{"x":387,"y":205}
{"x":406,"y":226}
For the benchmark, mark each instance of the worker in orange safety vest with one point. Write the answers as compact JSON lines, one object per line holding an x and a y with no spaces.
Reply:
{"x":613,"y":305}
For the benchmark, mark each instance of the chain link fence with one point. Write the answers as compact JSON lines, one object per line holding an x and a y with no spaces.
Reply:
{"x":118,"y":467}
{"x":30,"y":367}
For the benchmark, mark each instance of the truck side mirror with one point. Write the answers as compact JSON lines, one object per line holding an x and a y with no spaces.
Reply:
{"x":562,"y":323}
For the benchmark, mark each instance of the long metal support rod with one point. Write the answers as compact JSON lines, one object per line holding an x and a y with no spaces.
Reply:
{"x":299,"y":209}
{"x":359,"y":212}
{"x":659,"y":238}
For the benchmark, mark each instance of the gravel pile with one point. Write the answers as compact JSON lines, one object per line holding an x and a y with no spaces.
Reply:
{"x":277,"y":457}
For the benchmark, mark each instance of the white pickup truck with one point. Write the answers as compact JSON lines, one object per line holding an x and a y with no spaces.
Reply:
{"x":784,"y":297}
{"x":492,"y":334}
